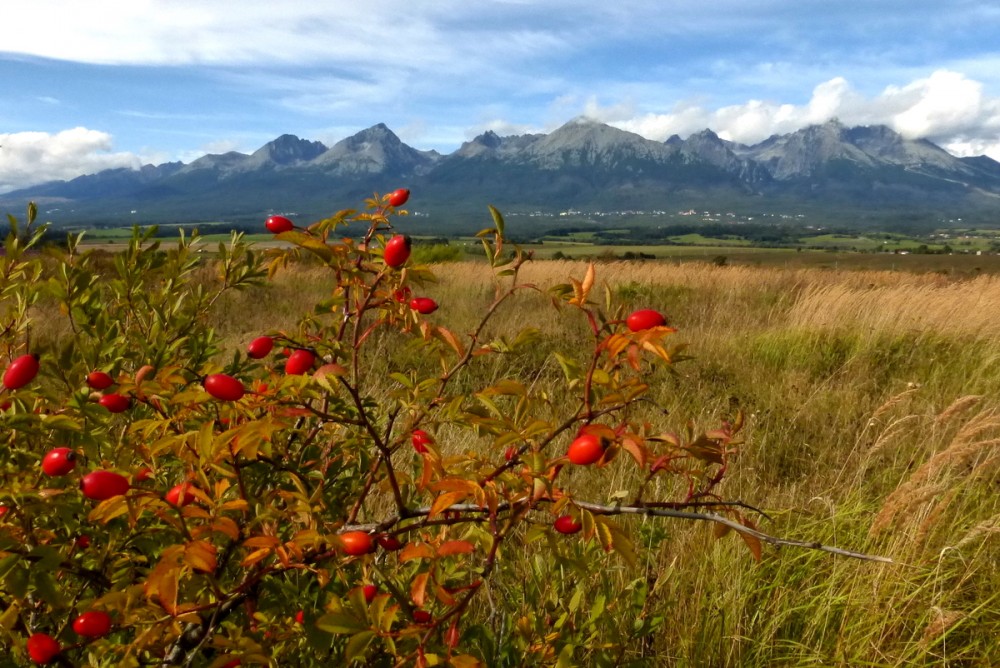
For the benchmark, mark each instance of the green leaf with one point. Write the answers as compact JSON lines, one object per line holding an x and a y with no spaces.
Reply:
{"x":566,"y":657}
{"x":341,"y":623}
{"x":497,"y":219}
{"x":46,"y":589}
{"x":48,"y":558}
{"x":492,"y":407}
{"x":7,"y":564}
{"x":571,"y":368}
{"x":358,"y":644}
{"x":402,"y":379}
{"x":597,"y":609}
{"x":16,"y":582}
{"x":206,"y":439}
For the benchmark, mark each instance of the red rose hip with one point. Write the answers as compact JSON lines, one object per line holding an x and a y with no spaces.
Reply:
{"x":299,"y":362}
{"x":180,"y":495}
{"x":101,"y":485}
{"x":260,"y":347}
{"x":278,"y":224}
{"x":421,"y":439}
{"x":223,"y":387}
{"x":370,"y":591}
{"x":644,"y":319}
{"x":566,"y":524}
{"x":389,"y":543}
{"x":424,"y":305}
{"x":43,"y":648}
{"x":115,"y":403}
{"x":20,"y":372}
{"x":98,"y":380}
{"x":58,"y":462}
{"x":92,"y":624}
{"x":356,"y":543}
{"x":397,"y":251}
{"x":399,"y":197}
{"x":585,"y":450}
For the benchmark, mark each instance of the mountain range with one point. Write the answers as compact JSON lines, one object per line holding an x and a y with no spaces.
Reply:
{"x":847,"y":172}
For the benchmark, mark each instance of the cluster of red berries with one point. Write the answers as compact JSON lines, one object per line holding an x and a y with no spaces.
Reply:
{"x":43,"y":648}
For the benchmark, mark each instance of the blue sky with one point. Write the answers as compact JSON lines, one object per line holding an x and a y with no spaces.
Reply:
{"x":108,"y":83}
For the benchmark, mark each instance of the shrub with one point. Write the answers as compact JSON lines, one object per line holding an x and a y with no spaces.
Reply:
{"x":289,"y":513}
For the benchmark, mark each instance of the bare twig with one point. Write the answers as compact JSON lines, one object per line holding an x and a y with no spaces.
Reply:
{"x":599,"y":509}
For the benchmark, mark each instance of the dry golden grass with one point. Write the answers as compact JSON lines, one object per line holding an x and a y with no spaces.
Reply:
{"x":966,"y":308}
{"x":873,"y":424}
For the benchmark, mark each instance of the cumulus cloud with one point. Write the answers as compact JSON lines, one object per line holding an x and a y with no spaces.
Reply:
{"x":28,"y":158}
{"x":946,"y":107}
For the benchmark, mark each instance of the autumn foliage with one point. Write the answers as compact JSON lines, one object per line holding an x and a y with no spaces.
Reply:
{"x":278,"y":503}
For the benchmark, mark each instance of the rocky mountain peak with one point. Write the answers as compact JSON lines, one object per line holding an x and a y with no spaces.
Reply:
{"x":584,"y":141}
{"x":287,"y":149}
{"x":371,"y":151}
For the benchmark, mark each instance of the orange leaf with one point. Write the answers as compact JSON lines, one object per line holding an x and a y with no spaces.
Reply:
{"x":615,"y":344}
{"x":445,"y":501}
{"x":269,"y":542}
{"x":449,"y":337}
{"x":236,"y":504}
{"x":444,"y":596}
{"x":719,"y":529}
{"x":255,"y":556}
{"x":633,"y":356}
{"x":226,"y":526}
{"x":414,"y":550}
{"x":582,"y":290}
{"x":431,"y":466}
{"x":657,"y":350}
{"x":635,"y":447}
{"x":451,"y":547}
{"x":467,"y":487}
{"x":418,"y":589}
{"x":753,"y":543}
{"x":164,"y":589}
{"x":283,"y":556}
{"x":706,"y":449}
{"x":455,"y":485}
{"x":200,"y":555}
{"x":578,"y":297}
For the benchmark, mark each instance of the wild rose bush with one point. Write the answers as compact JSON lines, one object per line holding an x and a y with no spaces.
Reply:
{"x":286,"y":504}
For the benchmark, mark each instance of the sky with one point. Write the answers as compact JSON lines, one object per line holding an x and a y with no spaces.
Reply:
{"x":111,"y":83}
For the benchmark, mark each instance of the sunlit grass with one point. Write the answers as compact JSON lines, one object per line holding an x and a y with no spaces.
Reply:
{"x":871,"y":400}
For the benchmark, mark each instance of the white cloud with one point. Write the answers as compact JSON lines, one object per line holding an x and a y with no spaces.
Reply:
{"x":502,"y":128}
{"x":28,"y":158}
{"x":946,"y":107}
{"x":242,"y":32}
{"x":216,"y":147}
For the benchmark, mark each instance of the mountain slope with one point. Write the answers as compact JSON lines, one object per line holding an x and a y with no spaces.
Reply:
{"x":584,"y":164}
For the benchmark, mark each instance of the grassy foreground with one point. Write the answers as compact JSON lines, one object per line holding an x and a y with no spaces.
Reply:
{"x":873,"y":408}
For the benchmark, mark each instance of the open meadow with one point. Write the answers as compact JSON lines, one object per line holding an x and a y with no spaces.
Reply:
{"x":872,"y":401}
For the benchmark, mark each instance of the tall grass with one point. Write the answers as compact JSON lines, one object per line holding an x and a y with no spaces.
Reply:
{"x":873,"y":405}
